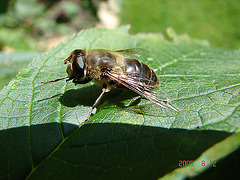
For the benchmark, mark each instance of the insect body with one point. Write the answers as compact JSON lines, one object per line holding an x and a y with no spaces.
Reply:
{"x":112,"y":69}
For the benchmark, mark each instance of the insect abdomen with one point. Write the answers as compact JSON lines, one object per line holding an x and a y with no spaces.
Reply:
{"x":141,"y":72}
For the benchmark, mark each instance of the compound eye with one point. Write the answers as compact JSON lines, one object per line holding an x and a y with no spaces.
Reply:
{"x":80,"y":61}
{"x":80,"y":58}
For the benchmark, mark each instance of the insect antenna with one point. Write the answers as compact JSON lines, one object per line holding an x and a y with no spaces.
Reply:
{"x":55,"y":80}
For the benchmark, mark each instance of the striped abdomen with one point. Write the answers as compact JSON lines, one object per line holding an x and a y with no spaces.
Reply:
{"x":140,"y":72}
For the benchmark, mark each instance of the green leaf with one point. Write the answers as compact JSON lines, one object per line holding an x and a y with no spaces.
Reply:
{"x":197,"y":18}
{"x":17,"y":39}
{"x":41,"y":132}
{"x":12,"y":63}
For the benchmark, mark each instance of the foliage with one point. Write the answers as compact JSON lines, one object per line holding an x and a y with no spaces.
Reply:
{"x":11,"y":64}
{"x":26,"y":24}
{"x":41,"y":132}
{"x":217,"y":21}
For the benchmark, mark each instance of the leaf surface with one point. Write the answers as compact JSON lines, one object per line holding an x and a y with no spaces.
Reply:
{"x":42,"y":135}
{"x":12,"y":63}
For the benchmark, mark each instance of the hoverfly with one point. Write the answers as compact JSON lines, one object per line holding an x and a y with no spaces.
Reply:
{"x":112,"y":69}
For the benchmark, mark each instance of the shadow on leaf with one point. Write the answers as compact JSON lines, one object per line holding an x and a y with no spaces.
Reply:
{"x":124,"y":99}
{"x":99,"y":151}
{"x":87,"y":96}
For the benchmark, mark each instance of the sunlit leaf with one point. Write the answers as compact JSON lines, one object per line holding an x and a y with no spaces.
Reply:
{"x":11,"y":64}
{"x":41,"y":132}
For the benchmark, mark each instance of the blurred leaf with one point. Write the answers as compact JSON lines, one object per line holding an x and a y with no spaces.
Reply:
{"x":28,"y":8}
{"x":217,"y":21}
{"x":4,"y":6}
{"x":41,"y":132}
{"x":16,"y":39}
{"x":70,"y":8}
{"x":11,"y":64}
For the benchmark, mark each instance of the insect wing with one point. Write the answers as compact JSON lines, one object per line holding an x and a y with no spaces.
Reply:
{"x":140,"y":88}
{"x":133,"y":53}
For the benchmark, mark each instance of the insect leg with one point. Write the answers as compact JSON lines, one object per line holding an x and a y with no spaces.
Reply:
{"x":96,"y":103}
{"x":55,"y":80}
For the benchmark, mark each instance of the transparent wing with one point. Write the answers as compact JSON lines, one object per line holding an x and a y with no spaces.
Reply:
{"x":133,"y":53}
{"x":133,"y":83}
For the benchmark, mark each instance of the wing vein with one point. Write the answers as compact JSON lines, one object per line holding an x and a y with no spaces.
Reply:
{"x":139,"y":88}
